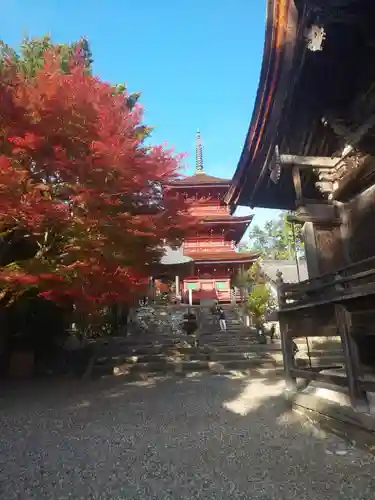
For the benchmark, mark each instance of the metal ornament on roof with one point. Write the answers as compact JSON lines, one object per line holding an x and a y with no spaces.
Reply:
{"x":315,"y":36}
{"x":198,"y":154}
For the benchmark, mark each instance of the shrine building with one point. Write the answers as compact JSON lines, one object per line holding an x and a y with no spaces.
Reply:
{"x":310,"y":149}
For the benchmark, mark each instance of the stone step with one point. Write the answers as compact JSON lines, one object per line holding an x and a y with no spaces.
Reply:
{"x":187,"y":356}
{"x":206,"y":347}
{"x":141,"y":342}
{"x":198,"y":361}
{"x":327,"y":360}
{"x":189,"y":351}
{"x":231,"y":342}
{"x":214,"y":369}
{"x":150,"y":355}
{"x":156,"y":341}
{"x":315,"y":353}
{"x":230,"y":356}
{"x":228,"y":335}
{"x":226,"y":338}
{"x":166,"y":350}
{"x":187,"y":366}
{"x":249,"y":348}
{"x":321,"y":361}
{"x":301,"y":341}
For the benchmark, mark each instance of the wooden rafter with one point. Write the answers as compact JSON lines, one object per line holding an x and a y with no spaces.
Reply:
{"x":309,"y":161}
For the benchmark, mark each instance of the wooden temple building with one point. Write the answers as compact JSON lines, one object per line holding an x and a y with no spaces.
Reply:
{"x":206,"y":263}
{"x":310,"y":149}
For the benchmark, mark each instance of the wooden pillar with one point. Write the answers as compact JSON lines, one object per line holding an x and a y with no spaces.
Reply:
{"x":311,"y":253}
{"x":190,"y":294}
{"x":357,"y":396}
{"x":288,"y":355}
{"x":286,"y":337}
{"x":177,"y":282}
{"x":345,"y":233}
{"x":279,"y":284}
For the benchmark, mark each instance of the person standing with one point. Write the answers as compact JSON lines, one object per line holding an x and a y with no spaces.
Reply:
{"x":222,"y":320}
{"x":72,"y":349}
{"x":215,"y":313}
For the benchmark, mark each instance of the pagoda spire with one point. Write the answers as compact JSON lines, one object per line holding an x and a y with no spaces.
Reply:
{"x":198,"y":154}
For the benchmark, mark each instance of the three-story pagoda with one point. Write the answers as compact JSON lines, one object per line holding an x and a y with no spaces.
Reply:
{"x":212,"y":251}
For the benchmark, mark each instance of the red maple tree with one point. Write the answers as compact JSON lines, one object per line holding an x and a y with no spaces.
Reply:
{"x":82,"y":211}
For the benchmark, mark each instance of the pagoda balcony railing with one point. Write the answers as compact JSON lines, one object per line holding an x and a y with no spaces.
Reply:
{"x":351,"y":282}
{"x":208,"y":242}
{"x":209,"y":210}
{"x":209,"y":248}
{"x":203,"y":250}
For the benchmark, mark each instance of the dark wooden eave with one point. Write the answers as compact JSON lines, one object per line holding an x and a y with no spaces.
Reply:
{"x":308,"y":103}
{"x":280,"y":37}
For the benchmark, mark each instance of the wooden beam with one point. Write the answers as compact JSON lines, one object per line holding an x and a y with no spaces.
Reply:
{"x":302,"y":219}
{"x":309,"y":161}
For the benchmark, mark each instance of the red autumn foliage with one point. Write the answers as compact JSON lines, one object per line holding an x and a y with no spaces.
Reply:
{"x":81,"y":209}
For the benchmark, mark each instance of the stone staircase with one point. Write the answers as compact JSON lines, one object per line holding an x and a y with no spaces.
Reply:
{"x":236,"y":349}
{"x":319,"y":352}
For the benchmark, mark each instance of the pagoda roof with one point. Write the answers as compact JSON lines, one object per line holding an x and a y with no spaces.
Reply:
{"x":230,"y":256}
{"x":200,"y":179}
{"x":174,"y":256}
{"x":237,"y":225}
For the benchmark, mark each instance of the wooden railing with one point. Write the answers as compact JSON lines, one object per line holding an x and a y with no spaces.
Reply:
{"x":219,"y":295}
{"x":337,"y":304}
{"x":353,"y":281}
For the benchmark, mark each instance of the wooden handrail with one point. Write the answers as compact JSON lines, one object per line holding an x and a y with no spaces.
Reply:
{"x":331,"y":275}
{"x":297,"y":292}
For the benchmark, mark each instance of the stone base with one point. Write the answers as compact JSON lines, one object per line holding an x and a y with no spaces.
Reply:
{"x":333,"y":403}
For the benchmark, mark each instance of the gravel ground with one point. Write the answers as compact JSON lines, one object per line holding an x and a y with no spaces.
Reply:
{"x":206,"y":436}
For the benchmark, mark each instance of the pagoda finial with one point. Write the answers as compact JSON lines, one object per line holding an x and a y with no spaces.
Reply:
{"x":198,"y":154}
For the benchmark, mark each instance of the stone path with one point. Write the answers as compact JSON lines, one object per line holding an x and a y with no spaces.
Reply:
{"x":202,"y":437}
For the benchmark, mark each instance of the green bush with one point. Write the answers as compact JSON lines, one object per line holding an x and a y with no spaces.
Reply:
{"x":259,"y":302}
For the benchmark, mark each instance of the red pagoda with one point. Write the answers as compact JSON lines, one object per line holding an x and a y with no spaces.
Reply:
{"x":211,"y":255}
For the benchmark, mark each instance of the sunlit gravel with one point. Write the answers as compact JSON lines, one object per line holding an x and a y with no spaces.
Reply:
{"x":205,"y":436}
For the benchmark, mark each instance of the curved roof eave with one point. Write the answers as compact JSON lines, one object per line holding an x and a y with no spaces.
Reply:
{"x":244,"y":219}
{"x":281,"y":31}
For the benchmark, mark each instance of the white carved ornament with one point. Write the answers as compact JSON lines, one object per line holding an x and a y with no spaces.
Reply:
{"x":315,"y":36}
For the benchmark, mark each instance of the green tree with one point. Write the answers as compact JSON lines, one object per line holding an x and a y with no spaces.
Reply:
{"x":278,"y":239}
{"x":259,"y":302}
{"x":32,"y":52}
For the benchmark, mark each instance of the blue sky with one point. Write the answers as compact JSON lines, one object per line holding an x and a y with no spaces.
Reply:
{"x":197,"y":63}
